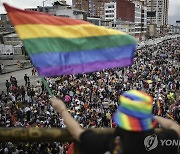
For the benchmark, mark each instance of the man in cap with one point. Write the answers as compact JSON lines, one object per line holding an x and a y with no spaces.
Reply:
{"x":135,"y":131}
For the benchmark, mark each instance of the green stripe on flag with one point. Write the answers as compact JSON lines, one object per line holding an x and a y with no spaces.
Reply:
{"x":42,"y":45}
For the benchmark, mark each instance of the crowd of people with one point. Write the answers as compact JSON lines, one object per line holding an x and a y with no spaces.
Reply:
{"x":92,"y":98}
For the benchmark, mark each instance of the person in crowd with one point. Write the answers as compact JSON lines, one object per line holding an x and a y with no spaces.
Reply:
{"x":26,"y":79}
{"x":7,"y":86}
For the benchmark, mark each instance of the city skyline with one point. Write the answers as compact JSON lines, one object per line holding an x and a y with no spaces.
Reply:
{"x":173,"y":15}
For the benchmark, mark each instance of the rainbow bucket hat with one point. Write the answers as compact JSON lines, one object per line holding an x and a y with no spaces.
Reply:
{"x":135,"y":111}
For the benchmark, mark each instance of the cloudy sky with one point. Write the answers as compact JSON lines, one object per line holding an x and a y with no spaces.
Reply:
{"x":174,"y":5}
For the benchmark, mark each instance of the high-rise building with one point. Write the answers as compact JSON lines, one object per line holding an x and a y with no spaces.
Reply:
{"x":94,"y":7}
{"x":165,"y":14}
{"x":133,"y":11}
{"x":125,"y":10}
{"x":158,"y":13}
{"x":143,"y":18}
{"x":110,"y":11}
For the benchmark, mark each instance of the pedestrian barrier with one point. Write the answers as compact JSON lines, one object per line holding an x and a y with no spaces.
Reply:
{"x":43,"y":135}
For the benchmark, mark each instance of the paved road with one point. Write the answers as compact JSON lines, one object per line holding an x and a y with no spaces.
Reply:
{"x":19,"y":76}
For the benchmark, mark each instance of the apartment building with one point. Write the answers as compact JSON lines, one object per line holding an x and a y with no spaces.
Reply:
{"x":157,"y":11}
{"x":5,"y":25}
{"x":94,"y":7}
{"x":110,"y":11}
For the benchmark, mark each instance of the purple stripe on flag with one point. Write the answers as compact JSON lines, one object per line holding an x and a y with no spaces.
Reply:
{"x":83,"y":68}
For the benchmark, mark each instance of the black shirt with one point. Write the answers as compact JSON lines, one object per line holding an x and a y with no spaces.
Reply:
{"x":157,"y":142}
{"x":177,"y":114}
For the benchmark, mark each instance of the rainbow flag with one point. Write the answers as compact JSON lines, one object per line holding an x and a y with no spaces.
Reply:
{"x":168,"y":115}
{"x":63,"y":46}
{"x":158,"y":107}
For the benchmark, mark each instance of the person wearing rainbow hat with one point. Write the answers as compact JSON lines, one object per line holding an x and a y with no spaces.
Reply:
{"x":135,"y":132}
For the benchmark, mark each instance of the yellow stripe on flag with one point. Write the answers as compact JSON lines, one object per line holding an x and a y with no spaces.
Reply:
{"x":76,"y":31}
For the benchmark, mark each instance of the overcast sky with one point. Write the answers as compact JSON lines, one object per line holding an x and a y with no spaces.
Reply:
{"x":174,"y":6}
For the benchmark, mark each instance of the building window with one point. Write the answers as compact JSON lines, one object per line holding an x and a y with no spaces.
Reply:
{"x":8,"y":39}
{"x":112,"y":6}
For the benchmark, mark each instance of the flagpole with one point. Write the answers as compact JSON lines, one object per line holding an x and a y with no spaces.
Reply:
{"x":46,"y":86}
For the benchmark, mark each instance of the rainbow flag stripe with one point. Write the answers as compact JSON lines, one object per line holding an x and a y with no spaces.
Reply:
{"x":62,"y":46}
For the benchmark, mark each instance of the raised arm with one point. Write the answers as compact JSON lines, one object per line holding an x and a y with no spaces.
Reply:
{"x":72,"y":126}
{"x":167,"y":123}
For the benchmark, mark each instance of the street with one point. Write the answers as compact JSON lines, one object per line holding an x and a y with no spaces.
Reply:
{"x":19,"y":76}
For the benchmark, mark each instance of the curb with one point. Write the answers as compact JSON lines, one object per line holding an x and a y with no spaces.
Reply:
{"x":15,"y":63}
{"x":16,"y":70}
